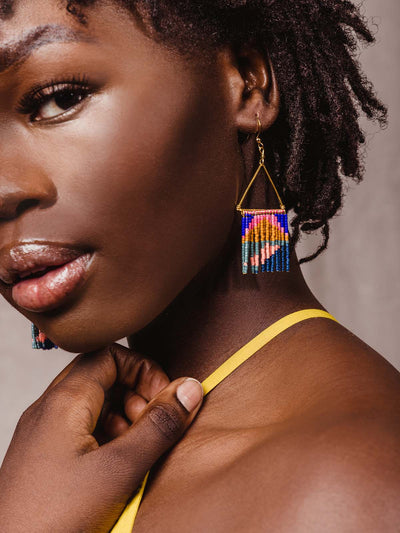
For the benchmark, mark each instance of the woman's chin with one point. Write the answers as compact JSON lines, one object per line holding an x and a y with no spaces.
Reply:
{"x":79,"y":345}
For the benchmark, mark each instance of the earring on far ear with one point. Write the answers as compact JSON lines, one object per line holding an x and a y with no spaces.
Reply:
{"x":40,"y":340}
{"x":265,"y":233}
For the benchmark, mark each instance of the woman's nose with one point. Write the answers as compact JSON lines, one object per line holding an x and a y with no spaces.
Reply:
{"x":28,"y":191}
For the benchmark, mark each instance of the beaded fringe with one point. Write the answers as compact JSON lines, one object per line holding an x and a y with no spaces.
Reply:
{"x":40,"y":340}
{"x":265,"y":241}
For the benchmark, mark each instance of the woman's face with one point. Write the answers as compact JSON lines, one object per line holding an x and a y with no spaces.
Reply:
{"x":137,"y":164}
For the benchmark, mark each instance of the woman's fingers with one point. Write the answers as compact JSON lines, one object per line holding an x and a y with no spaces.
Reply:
{"x":113,"y":426}
{"x":112,"y":423}
{"x":87,"y":379}
{"x":149,"y":383}
{"x":116,"y":363}
{"x":118,"y":415}
{"x":134,"y":405}
{"x":123,"y":462}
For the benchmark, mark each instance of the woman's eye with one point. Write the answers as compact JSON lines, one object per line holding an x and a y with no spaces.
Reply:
{"x":58,"y":103}
{"x":52,"y":101}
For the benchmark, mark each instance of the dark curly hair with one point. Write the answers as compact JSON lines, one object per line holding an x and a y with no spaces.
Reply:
{"x":313,"y":44}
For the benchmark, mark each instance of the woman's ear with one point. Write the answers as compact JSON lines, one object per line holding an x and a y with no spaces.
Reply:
{"x":253,"y":87}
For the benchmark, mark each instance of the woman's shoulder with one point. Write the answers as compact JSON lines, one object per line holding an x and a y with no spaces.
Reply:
{"x":344,"y":387}
{"x":333,"y":463}
{"x":322,"y":471}
{"x":335,"y":365}
{"x":332,"y":473}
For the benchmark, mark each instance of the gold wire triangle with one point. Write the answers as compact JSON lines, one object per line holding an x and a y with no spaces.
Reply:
{"x":260,"y":166}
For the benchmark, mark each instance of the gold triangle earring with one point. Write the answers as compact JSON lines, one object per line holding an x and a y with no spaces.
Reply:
{"x":265,"y":233}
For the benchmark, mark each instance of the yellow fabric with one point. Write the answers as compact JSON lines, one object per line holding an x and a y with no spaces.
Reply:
{"x":127,"y":519}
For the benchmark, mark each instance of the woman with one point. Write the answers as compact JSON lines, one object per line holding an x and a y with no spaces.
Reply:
{"x":128,"y":139}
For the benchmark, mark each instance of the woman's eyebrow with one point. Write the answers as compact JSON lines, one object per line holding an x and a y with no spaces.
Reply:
{"x":16,"y":52}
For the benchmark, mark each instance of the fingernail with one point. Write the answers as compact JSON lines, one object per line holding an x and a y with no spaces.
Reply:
{"x":190,"y":393}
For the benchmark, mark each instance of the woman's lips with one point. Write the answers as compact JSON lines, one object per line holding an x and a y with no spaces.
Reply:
{"x":49,"y":290}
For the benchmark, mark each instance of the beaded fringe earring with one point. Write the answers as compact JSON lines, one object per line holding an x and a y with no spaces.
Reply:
{"x":40,"y":340}
{"x":265,"y":233}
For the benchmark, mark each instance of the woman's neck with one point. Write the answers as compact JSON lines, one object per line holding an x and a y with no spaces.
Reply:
{"x":218,"y":312}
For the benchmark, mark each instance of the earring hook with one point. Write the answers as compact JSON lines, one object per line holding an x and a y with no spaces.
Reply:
{"x":259,"y":141}
{"x":258,"y":123}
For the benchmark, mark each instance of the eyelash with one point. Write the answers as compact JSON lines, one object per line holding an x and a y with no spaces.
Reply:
{"x":41,"y":94}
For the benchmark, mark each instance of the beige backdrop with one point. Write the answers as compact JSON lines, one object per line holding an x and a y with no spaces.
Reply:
{"x":356,"y":278}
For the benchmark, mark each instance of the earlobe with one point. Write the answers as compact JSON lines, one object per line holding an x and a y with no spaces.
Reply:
{"x":259,"y":94}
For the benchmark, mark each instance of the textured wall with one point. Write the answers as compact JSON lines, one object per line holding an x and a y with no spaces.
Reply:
{"x":356,"y":278}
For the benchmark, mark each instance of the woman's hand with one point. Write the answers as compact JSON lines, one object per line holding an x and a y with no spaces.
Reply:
{"x":74,"y":459}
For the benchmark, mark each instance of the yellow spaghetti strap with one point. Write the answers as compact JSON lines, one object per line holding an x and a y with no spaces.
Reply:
{"x":127,"y":519}
{"x":258,"y":342}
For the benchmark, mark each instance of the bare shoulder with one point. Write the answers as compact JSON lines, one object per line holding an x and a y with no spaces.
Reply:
{"x":339,"y":372}
{"x":333,"y":464}
{"x":339,"y":475}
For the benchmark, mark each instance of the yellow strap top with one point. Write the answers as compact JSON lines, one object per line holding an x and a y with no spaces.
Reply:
{"x":127,"y":518}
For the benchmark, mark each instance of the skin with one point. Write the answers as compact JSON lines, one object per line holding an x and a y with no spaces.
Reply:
{"x":147,"y":173}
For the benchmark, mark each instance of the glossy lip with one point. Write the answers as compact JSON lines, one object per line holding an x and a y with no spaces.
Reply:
{"x":69,"y":271}
{"x":18,"y":261}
